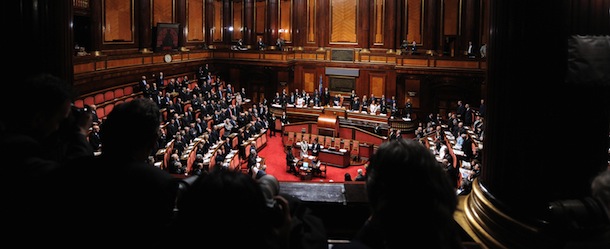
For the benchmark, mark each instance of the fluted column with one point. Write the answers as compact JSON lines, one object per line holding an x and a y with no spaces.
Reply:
{"x":181,"y":19}
{"x":249,"y":34}
{"x":41,"y":33}
{"x":144,"y":26}
{"x":96,"y":27}
{"x":271,"y":33}
{"x":544,"y":138}
{"x":365,"y":20}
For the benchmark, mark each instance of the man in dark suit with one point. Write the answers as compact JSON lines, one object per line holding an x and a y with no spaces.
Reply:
{"x":252,"y":161}
{"x":468,"y":115}
{"x":460,"y":110}
{"x":180,"y":144}
{"x":258,"y":125}
{"x":94,"y":138}
{"x":215,"y":134}
{"x":356,"y":104}
{"x":383,"y":104}
{"x":394,"y":111}
{"x":392,"y":134}
{"x":467,"y":148}
{"x":160,"y":80}
{"x":220,"y":157}
{"x":158,"y":99}
{"x":261,"y":44}
{"x":377,"y":129}
{"x":252,"y":129}
{"x":315,"y":147}
{"x":142,"y":84}
{"x":272,"y":125}
{"x":326,"y":96}
{"x":291,"y":161}
{"x":284,"y":119}
{"x":316,"y":99}
{"x":241,"y":138}
{"x":227,"y":144}
{"x":171,"y":128}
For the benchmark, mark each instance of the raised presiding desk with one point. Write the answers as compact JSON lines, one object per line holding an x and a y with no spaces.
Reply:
{"x":338,"y":158}
{"x":367,"y":117}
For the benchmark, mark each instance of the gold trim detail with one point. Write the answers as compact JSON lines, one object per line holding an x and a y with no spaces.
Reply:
{"x":491,"y":227}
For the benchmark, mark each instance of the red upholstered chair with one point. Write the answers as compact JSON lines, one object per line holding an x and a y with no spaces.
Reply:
{"x":89,"y":100}
{"x":346,"y":144}
{"x":355,"y":152}
{"x":328,"y":142}
{"x":313,"y":137}
{"x":337,"y":143}
{"x":119,"y":92}
{"x":79,"y":103}
{"x":321,"y":172}
{"x":128,"y":90}
{"x":108,"y":108}
{"x":298,"y":137}
{"x":98,"y":99}
{"x":101,"y":113}
{"x":290,"y":139}
{"x":109,"y":95}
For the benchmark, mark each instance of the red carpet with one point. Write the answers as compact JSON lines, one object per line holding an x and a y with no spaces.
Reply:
{"x":275,"y":159}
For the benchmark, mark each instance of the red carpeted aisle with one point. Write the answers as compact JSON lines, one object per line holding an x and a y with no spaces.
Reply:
{"x":275,"y":159}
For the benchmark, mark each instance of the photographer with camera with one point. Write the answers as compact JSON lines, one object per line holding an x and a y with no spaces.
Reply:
{"x":41,"y":134}
{"x":37,"y":137}
{"x":584,"y":222}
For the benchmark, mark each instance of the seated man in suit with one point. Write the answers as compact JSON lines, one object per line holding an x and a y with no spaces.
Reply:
{"x":404,"y":46}
{"x":315,"y":167}
{"x":291,"y":161}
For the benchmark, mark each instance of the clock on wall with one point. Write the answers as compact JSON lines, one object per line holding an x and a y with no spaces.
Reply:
{"x":167,"y":58}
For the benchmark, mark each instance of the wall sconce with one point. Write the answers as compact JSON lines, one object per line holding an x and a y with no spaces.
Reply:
{"x":230,"y":28}
{"x":412,"y":93}
{"x":280,"y":30}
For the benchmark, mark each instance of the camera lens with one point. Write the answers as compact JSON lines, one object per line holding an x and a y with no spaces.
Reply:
{"x":578,"y":214}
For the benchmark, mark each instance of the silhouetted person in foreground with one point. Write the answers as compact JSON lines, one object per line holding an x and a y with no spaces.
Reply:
{"x":37,"y":136}
{"x":227,"y":209}
{"x":585,"y":223}
{"x":117,"y":197}
{"x":426,"y":219}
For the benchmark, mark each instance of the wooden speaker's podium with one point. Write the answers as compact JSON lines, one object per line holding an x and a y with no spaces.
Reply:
{"x":328,"y":125}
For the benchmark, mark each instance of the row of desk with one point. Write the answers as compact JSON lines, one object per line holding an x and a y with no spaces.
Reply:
{"x":189,"y":155}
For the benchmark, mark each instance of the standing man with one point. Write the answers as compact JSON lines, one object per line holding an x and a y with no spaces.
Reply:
{"x":470,"y":50}
{"x":261,"y":44}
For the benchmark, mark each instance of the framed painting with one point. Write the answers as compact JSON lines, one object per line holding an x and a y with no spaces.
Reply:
{"x":166,"y":37}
